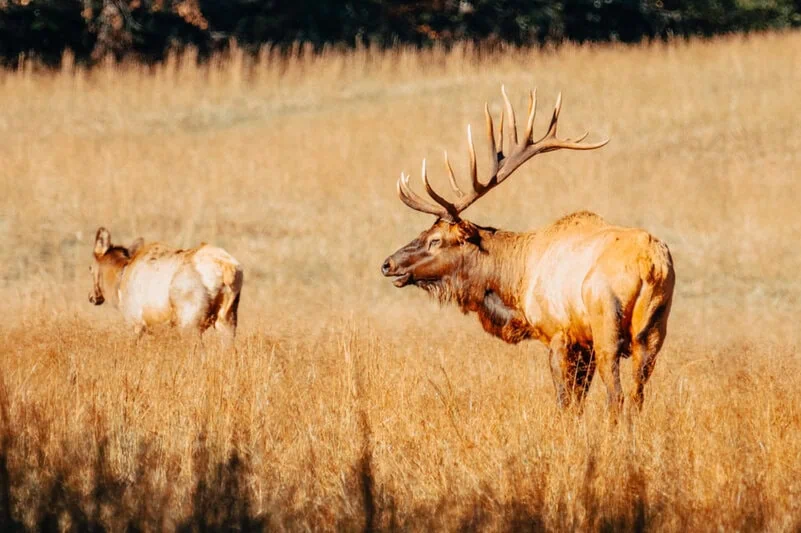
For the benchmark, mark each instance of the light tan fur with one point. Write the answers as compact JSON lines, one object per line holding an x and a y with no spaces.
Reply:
{"x":592,"y":292}
{"x":152,"y":284}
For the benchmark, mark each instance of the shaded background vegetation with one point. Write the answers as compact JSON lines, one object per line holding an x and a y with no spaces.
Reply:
{"x":147,"y":29}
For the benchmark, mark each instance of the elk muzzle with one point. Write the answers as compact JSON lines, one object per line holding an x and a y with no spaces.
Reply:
{"x":390,"y":269}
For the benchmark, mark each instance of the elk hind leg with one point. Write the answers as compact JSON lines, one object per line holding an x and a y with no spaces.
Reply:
{"x":191,"y":312}
{"x":645,"y":347}
{"x":227,"y":318}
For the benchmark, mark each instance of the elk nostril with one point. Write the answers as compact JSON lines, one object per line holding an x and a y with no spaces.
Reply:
{"x":385,"y":267}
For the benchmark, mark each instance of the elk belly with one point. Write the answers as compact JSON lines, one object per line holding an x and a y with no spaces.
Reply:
{"x":503,"y":321}
{"x":154,"y":316}
{"x":144,"y":293}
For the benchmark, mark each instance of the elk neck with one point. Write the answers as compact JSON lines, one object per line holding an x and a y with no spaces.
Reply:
{"x":494,"y":267}
{"x":115,"y":265}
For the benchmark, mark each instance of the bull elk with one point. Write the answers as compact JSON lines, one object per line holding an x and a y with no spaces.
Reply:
{"x":154,"y":284}
{"x":592,"y":292}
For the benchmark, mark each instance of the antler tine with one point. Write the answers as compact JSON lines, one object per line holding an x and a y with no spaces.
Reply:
{"x":503,"y":165}
{"x":550,"y":142}
{"x":547,"y":143}
{"x":532,"y":112}
{"x":555,"y":118}
{"x":449,"y":208}
{"x":452,"y":177}
{"x":579,"y":138}
{"x":411,"y":198}
{"x":511,"y":111}
{"x":491,"y":135}
{"x":570,"y":144}
{"x":500,"y":138}
{"x":471,"y":149}
{"x":576,"y":144}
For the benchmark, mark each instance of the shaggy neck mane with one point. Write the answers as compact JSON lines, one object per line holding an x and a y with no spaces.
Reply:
{"x":494,"y":267}
{"x":489,"y":283}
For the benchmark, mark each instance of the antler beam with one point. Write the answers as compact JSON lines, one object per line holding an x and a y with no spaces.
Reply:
{"x":503,"y":163}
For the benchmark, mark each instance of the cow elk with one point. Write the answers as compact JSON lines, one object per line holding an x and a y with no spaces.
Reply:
{"x":592,"y":292}
{"x":154,"y":284}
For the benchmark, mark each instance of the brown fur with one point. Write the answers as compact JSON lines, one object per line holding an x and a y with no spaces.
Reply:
{"x":525,"y":285}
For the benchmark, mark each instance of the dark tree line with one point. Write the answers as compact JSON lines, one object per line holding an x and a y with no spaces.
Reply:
{"x":147,"y":29}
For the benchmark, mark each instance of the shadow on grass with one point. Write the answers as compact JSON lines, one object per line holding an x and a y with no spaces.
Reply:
{"x":222,"y":498}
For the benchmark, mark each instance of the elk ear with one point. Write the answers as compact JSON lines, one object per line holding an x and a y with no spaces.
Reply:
{"x":135,"y":246}
{"x":475,"y":240}
{"x":466,"y":232}
{"x":102,"y":241}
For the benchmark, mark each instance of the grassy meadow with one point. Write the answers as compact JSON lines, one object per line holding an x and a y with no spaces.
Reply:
{"x":350,"y":404}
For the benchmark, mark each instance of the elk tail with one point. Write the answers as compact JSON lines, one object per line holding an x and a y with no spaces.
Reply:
{"x":232,"y":276}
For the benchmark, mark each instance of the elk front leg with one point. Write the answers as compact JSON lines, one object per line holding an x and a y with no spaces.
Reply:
{"x":558,"y":358}
{"x":572,"y":369}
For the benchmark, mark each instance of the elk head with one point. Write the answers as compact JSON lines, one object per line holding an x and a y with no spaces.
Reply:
{"x":107,"y":266}
{"x":430,"y":260}
{"x":436,"y":257}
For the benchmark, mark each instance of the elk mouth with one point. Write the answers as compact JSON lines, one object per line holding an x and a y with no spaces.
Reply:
{"x":402,"y":280}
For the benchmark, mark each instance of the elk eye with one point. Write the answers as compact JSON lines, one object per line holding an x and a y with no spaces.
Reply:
{"x":433,"y":242}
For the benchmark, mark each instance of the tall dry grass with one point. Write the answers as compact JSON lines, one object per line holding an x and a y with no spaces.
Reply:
{"x":351,"y":404}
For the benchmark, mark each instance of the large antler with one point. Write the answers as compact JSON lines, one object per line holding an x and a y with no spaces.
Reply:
{"x":503,"y":164}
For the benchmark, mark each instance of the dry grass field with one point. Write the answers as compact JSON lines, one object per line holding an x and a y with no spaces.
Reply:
{"x":350,"y":404}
